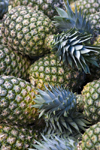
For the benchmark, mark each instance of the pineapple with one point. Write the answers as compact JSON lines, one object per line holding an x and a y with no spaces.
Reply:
{"x":16,"y":138}
{"x":55,"y":142}
{"x":48,"y":69}
{"x":91,"y":97}
{"x":58,"y":108}
{"x":97,"y":41}
{"x":67,"y":19}
{"x":88,"y":6}
{"x":95,"y":21}
{"x":72,"y":48}
{"x":24,"y":30}
{"x":92,"y":18}
{"x":47,"y":6}
{"x":91,"y":138}
{"x":13,"y":63}
{"x":80,"y":102}
{"x":3,"y":7}
{"x":16,"y":99}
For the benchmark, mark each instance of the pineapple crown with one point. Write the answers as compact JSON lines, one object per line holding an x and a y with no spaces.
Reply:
{"x":58,"y":107}
{"x":55,"y":143}
{"x":56,"y":100}
{"x":70,"y":47}
{"x":67,"y":19}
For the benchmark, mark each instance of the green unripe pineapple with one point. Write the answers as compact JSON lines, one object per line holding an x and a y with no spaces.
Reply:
{"x":91,"y":138}
{"x":91,"y":97}
{"x":16,"y":138}
{"x":48,"y":70}
{"x":47,"y":6}
{"x":24,"y":30}
{"x":3,"y":7}
{"x":16,"y":99}
{"x":13,"y":63}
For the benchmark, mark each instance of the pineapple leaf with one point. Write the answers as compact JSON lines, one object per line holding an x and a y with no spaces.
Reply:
{"x":61,"y":12}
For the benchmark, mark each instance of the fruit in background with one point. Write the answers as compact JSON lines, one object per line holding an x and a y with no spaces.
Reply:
{"x":88,"y":6}
{"x":16,"y":99}
{"x":16,"y":138}
{"x":3,"y":7}
{"x":46,"y":6}
{"x":13,"y":63}
{"x":48,"y":70}
{"x":91,"y":97}
{"x":24,"y":30}
{"x":67,"y":19}
{"x":95,"y":21}
{"x":91,"y":138}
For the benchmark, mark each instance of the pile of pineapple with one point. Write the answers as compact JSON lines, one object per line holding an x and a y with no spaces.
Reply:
{"x":49,"y":75}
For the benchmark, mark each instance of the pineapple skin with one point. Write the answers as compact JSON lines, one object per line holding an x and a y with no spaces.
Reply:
{"x":48,"y":70}
{"x":91,"y":138}
{"x":95,"y":21}
{"x":88,"y":6}
{"x":24,"y":30}
{"x":13,"y":63}
{"x":16,"y":99}
{"x":80,"y":102}
{"x":16,"y":138}
{"x":97,"y":41}
{"x":91,"y":98}
{"x":47,"y":6}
